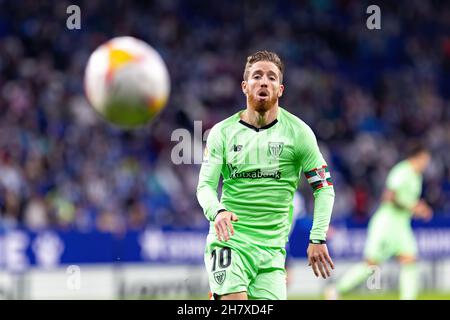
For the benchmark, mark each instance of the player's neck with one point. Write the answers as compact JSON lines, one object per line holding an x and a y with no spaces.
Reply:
{"x":259,"y":119}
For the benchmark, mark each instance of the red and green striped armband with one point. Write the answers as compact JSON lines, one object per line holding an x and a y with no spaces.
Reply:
{"x":319,"y":177}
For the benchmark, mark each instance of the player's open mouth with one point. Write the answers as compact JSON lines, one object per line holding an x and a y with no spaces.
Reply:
{"x":263,"y":94}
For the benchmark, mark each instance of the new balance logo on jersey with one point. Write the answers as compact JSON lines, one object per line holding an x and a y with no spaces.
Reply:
{"x":237,"y":147}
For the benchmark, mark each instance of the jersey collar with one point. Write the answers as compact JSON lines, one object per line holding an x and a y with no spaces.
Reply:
{"x":267,"y":126}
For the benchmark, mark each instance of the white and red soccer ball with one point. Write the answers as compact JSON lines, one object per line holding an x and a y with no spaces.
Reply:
{"x":127,"y":82}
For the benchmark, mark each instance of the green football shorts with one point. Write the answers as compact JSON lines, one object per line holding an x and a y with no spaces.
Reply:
{"x":234,"y":266}
{"x":389,"y":235}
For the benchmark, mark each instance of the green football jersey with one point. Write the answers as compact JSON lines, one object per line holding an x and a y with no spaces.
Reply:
{"x":406,"y":183}
{"x":261,"y":168}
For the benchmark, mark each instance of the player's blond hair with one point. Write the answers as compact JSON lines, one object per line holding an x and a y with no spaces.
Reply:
{"x":264,"y":56}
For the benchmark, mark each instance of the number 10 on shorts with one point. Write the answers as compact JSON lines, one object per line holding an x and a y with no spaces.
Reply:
{"x":224,"y":258}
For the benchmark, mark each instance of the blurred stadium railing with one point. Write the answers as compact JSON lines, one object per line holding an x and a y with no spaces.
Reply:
{"x":157,"y":263}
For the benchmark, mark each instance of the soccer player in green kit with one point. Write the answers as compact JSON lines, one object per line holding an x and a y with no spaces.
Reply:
{"x":261,"y":152}
{"x":389,"y":232}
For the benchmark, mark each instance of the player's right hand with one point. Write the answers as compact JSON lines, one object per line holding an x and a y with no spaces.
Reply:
{"x":223,"y":225}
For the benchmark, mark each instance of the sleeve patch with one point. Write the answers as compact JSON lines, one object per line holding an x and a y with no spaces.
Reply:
{"x":205,"y":154}
{"x":319,"y":177}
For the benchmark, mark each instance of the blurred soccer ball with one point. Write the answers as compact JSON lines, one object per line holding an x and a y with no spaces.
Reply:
{"x":127,"y":82}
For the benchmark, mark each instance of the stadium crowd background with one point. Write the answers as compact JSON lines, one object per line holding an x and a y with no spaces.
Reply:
{"x":365,"y":93}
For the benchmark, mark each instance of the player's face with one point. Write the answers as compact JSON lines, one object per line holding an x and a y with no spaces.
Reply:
{"x":263,"y":87}
{"x":424,"y":159}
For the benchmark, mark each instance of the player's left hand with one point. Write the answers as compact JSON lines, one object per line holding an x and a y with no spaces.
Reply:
{"x":423,"y":210}
{"x":319,"y":260}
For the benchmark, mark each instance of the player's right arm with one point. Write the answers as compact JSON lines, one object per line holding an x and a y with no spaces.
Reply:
{"x":213,"y":209}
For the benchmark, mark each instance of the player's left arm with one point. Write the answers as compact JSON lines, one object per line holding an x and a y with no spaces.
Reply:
{"x":420,"y":208}
{"x":396,"y":180}
{"x":317,"y":173}
{"x":209,"y":176}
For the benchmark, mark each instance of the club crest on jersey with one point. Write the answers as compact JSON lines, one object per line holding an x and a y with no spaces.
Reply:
{"x":219,"y":276}
{"x":275,"y":149}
